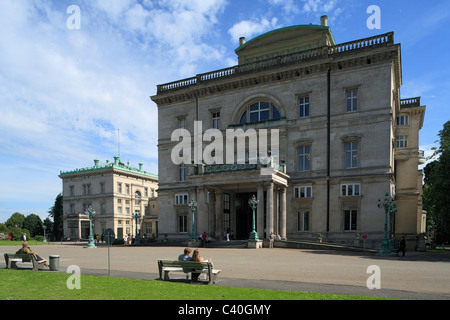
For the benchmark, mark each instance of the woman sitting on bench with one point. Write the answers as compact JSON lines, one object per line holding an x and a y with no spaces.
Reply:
{"x":26,"y":250}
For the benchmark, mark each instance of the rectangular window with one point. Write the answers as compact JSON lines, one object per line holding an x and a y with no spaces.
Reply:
{"x":102,"y":187}
{"x":72,"y":191}
{"x":304,"y":107}
{"x":352,"y":100}
{"x":350,"y":220}
{"x":304,"y":157}
{"x":182,"y":173}
{"x":303,"y":221}
{"x":86,"y":189}
{"x":182,"y":123}
{"x":402,"y":121}
{"x":351,"y":155}
{"x":103,"y":208}
{"x":226,"y":201}
{"x":350,"y":190}
{"x":401,"y":142}
{"x":181,"y":199}
{"x":182,"y":224}
{"x":127,"y":189}
{"x":303,"y":192}
{"x":216,"y":120}
{"x":119,"y":187}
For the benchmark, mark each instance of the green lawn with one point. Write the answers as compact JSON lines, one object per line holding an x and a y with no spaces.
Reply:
{"x":19,"y":243}
{"x":42,"y":285}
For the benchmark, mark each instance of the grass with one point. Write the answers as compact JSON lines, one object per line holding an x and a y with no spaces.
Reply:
{"x":19,"y":243}
{"x":33,"y":285}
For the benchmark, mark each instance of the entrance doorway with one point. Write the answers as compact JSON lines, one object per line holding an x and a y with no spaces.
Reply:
{"x":244,"y":216}
{"x":84,"y":229}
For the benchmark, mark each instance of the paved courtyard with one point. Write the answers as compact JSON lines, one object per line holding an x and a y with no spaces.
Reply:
{"x":416,"y":276}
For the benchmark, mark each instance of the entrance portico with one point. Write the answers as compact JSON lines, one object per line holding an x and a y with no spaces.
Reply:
{"x":222,"y":193}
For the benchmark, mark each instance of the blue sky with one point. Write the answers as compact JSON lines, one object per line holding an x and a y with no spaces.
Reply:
{"x":65,"y":92}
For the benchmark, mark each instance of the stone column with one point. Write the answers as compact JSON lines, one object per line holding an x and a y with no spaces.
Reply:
{"x":202,"y":212}
{"x":283,"y":213}
{"x":260,"y":211}
{"x":269,"y":209}
{"x":219,"y":215}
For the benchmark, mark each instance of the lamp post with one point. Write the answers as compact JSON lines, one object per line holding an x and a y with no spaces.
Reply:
{"x":44,"y":227}
{"x":193,"y":206}
{"x":90,"y":212}
{"x":253,"y":202}
{"x":390,"y":208}
{"x":136,"y":217}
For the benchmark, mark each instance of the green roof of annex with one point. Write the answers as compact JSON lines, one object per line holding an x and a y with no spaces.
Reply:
{"x":117,"y":164}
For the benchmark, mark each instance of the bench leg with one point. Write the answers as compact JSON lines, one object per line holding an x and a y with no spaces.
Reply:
{"x":166,"y":275}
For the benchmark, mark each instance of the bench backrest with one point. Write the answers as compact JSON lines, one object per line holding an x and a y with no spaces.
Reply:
{"x":186,"y":265}
{"x":24,"y":256}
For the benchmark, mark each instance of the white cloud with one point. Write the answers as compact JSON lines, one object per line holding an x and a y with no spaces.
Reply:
{"x":64,"y":93}
{"x":289,"y":6}
{"x":320,"y":6}
{"x":250,"y":28}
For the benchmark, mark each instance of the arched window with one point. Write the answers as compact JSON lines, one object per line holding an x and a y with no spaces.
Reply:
{"x":259,"y":111}
{"x":137,"y":198}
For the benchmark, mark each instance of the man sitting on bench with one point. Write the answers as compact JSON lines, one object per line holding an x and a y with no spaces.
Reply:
{"x":26,"y":250}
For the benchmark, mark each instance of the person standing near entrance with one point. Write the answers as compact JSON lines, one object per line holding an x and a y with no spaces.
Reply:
{"x":204,"y":239}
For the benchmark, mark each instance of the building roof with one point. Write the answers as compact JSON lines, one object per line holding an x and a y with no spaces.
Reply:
{"x":299,"y":29}
{"x":117,"y":164}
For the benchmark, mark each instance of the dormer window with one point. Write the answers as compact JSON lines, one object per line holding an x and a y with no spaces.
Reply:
{"x":260,"y":111}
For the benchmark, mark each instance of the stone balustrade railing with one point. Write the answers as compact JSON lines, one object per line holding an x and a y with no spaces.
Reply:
{"x":311,"y":54}
{"x":410,"y":102}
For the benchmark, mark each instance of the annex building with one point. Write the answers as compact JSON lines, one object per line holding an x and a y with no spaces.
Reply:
{"x":117,"y":192}
{"x":346,"y":138}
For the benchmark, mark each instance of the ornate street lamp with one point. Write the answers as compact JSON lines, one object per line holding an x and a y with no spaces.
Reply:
{"x":390,"y":208}
{"x":91,"y":214}
{"x":136,"y":217}
{"x":253,"y":202}
{"x":193,"y":206}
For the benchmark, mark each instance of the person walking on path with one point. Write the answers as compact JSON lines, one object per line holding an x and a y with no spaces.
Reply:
{"x":402,"y":246}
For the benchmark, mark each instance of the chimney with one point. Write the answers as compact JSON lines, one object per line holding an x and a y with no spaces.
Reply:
{"x":324,"y":21}
{"x":241,"y":41}
{"x":140,"y":166}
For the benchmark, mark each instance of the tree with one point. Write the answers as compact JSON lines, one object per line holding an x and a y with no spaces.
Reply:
{"x":16,"y":220}
{"x":33,"y":223}
{"x":436,"y":192}
{"x":56,"y":212}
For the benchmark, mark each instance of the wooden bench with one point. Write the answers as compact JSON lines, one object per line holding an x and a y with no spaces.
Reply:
{"x":12,"y":258}
{"x":166,"y":266}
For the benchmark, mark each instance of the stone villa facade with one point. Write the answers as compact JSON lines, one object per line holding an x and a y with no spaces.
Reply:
{"x":116,"y":192}
{"x":346,"y":138}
